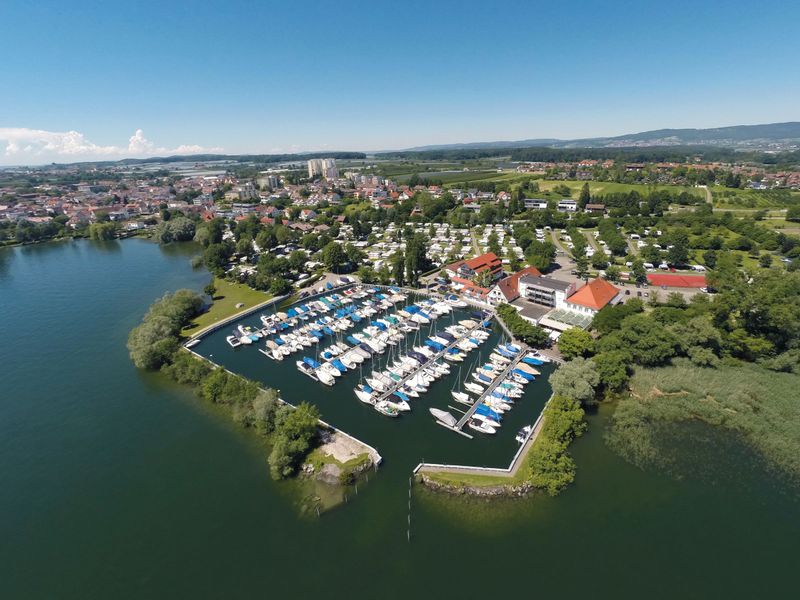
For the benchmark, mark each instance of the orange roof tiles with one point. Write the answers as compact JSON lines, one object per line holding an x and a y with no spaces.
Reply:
{"x":594,"y":295}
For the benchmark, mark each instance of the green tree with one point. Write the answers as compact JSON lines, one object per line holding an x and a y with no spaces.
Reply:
{"x":540,"y":254}
{"x":576,"y":380}
{"x":103,"y":231}
{"x":575,"y":342}
{"x":210,"y":290}
{"x":612,"y":368}
{"x":333,"y":256}
{"x":585,"y":197}
{"x":294,"y":431}
{"x":398,"y":268}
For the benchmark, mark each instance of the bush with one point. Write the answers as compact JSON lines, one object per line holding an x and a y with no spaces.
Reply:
{"x":295,"y":429}
{"x":551,"y":467}
{"x":520,"y":328}
{"x":153,"y":343}
{"x":576,"y":379}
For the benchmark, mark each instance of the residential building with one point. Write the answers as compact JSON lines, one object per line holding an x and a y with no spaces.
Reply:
{"x":535,"y":203}
{"x":507,"y":289}
{"x":595,"y":208}
{"x":592,"y":297}
{"x":467,"y":269}
{"x":326,"y":167}
{"x":545,"y":290}
{"x":567,"y":205}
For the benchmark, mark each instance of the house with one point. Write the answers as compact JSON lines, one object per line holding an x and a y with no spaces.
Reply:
{"x":567,"y":205}
{"x":595,"y":208}
{"x":469,"y":289}
{"x":507,"y":289}
{"x":592,"y":297}
{"x":545,"y":290}
{"x":467,"y":269}
{"x":307,"y":215}
{"x":535,"y":203}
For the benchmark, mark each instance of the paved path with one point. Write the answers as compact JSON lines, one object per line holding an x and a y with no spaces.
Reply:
{"x":475,"y":246}
{"x":592,"y":241}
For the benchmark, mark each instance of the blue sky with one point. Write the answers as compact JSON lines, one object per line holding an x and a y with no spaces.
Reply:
{"x":288,"y":76}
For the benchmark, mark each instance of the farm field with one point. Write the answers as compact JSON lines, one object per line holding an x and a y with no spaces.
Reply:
{"x":753,"y":199}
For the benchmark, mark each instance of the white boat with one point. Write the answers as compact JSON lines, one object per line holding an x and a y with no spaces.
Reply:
{"x":481,"y":426}
{"x":488,"y":420}
{"x":443,"y":416}
{"x":365,"y":396}
{"x":387,"y":409}
{"x":307,"y":370}
{"x":524,"y":433}
{"x":461,"y":397}
{"x":474,"y":387}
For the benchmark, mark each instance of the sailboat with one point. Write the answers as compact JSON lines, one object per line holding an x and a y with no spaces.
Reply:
{"x":458,"y":395}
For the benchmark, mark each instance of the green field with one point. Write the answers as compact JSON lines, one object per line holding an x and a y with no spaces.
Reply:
{"x":477,"y":480}
{"x":227,"y":296}
{"x":598,"y":188}
{"x":753,"y":199}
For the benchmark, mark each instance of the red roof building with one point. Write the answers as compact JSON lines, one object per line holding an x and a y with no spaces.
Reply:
{"x":507,"y":289}
{"x":467,"y":269}
{"x":592,"y":297}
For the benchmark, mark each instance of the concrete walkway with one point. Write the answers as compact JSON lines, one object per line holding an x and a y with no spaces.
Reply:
{"x":510,"y":472}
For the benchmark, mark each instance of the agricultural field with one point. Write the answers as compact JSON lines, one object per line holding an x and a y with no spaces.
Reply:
{"x":753,"y":199}
{"x":599,"y":188}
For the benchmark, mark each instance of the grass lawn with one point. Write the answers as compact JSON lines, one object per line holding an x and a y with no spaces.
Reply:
{"x":598,"y":188}
{"x":477,"y":480}
{"x":227,"y":296}
{"x":753,"y":199}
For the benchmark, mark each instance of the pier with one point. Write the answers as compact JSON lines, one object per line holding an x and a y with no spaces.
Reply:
{"x":397,"y":385}
{"x":491,"y":387}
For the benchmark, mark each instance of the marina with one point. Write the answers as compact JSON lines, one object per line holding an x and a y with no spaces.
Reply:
{"x":385,"y":353}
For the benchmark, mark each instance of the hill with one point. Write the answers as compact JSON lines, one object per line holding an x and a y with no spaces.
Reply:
{"x":771,"y":136}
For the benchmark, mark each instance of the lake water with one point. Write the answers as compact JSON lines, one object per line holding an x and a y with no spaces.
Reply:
{"x":115,"y":483}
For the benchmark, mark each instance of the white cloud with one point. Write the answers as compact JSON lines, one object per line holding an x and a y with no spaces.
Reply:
{"x":22,"y":144}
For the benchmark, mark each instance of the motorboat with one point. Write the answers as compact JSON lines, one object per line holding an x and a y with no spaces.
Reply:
{"x":365,"y":393}
{"x":386,"y":409}
{"x":443,"y":417}
{"x":307,"y":369}
{"x":523,"y":434}
{"x":481,"y":426}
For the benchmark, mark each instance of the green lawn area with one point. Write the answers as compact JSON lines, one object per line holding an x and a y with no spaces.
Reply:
{"x":227,"y":296}
{"x":477,"y":480}
{"x":753,"y":199}
{"x":598,"y":188}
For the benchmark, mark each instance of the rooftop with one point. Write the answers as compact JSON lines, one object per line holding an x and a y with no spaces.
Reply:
{"x":545,"y":282}
{"x":595,"y":294}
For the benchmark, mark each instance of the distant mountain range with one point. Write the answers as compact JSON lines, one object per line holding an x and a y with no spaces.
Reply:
{"x":771,"y":136}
